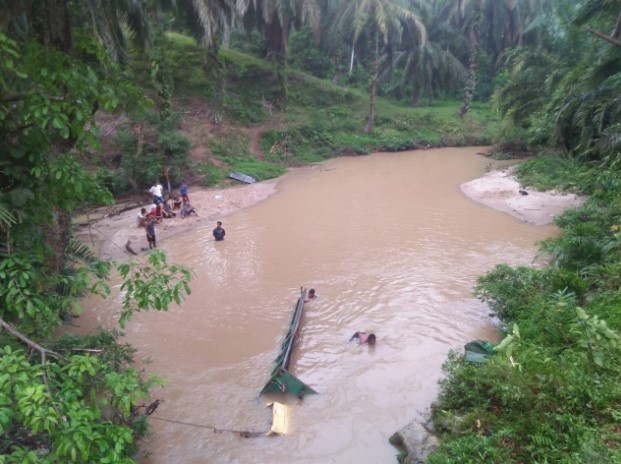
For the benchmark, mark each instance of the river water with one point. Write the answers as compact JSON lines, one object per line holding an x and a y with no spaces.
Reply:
{"x":390,"y":244}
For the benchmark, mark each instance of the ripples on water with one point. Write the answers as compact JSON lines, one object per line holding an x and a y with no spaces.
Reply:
{"x":392,"y":247}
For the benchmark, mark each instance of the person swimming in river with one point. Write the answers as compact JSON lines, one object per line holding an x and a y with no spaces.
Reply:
{"x":364,"y":337}
{"x":310,"y":296}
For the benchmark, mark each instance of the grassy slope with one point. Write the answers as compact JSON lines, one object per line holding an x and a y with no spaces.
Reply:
{"x":321,"y":121}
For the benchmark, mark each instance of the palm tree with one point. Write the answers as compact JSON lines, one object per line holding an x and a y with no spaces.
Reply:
{"x":382,"y":22}
{"x":493,"y":25}
{"x":276,"y":19}
{"x":55,"y":22}
{"x":601,"y":9}
{"x":207,"y":20}
{"x":434,"y":64}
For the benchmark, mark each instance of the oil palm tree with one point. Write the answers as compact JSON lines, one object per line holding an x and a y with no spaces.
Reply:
{"x":276,"y":19}
{"x":433,"y":64}
{"x":604,"y":12}
{"x":207,"y":20}
{"x":491,"y":25}
{"x":55,"y":22}
{"x":382,"y":22}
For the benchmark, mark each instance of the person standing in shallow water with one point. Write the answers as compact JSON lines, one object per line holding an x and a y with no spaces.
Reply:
{"x":150,"y":229}
{"x":219,"y":232}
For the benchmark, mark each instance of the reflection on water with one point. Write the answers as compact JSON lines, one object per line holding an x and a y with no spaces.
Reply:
{"x":391,"y":245}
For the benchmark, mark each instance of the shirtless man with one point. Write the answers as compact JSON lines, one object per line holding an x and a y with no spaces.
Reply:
{"x":310,"y":296}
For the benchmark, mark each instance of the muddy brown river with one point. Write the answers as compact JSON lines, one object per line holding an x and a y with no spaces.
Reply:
{"x":390,"y":244}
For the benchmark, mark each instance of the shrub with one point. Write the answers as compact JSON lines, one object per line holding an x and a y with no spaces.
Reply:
{"x":113,"y":179}
{"x":172,"y":143}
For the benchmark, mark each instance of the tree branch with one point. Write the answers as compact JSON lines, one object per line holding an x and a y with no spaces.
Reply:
{"x":17,"y":334}
{"x":615,"y":32}
{"x":601,"y":35}
{"x":35,"y":346}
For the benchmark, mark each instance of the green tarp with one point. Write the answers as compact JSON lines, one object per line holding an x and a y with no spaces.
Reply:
{"x":477,"y":351}
{"x":281,"y":380}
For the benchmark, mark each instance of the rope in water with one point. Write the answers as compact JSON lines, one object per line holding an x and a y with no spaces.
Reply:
{"x":241,"y":433}
{"x":150,"y":409}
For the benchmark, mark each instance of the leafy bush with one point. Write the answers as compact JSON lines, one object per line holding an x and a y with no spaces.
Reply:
{"x":173,"y":144}
{"x":114,"y":180}
{"x":306,"y":55}
{"x":508,"y":291}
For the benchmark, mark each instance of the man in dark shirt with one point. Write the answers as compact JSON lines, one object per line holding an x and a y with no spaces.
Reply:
{"x":150,"y":228}
{"x":219,"y":232}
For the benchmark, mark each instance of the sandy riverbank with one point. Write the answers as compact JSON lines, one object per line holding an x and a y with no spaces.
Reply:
{"x":501,"y":190}
{"x":108,"y":236}
{"x":497,"y":189}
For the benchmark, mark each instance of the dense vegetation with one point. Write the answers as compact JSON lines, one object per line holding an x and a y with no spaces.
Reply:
{"x":551,"y":393}
{"x":402,"y":74}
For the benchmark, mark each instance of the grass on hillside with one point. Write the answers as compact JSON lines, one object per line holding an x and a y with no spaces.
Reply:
{"x":321,"y":121}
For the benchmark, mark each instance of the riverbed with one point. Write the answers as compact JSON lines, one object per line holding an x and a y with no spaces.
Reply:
{"x":391,"y":245}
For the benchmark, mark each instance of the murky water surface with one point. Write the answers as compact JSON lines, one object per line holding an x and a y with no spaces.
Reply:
{"x":390,"y":244}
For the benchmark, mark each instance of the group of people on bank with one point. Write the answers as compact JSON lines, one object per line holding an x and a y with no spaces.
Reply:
{"x":161,"y":209}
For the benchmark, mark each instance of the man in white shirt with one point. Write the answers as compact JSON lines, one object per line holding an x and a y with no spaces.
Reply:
{"x":156,"y":191}
{"x":142,"y":216}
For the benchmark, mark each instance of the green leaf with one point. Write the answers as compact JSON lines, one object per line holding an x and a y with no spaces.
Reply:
{"x":20,"y":196}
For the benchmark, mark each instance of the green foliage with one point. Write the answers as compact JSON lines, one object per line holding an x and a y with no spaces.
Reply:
{"x":162,"y":80}
{"x":556,"y":173}
{"x":584,"y":242}
{"x":507,"y":291}
{"x":163,"y":146}
{"x":77,"y":400}
{"x":547,"y":397}
{"x":113,"y":180}
{"x":232,"y":148}
{"x":306,"y":55}
{"x":51,"y":411}
{"x":152,"y":285}
{"x":214,"y":175}
{"x":173,"y":144}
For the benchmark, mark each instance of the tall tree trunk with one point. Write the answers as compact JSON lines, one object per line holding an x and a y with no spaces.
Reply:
{"x":13,"y":10}
{"x":336,"y":80}
{"x":277,"y":47}
{"x":57,"y":237}
{"x":371,"y":121}
{"x":416,"y":94}
{"x":615,"y":31}
{"x":226,"y":35}
{"x":472,"y":66}
{"x":281,"y":59}
{"x":351,"y":60}
{"x":429,"y":90}
{"x":162,"y":81}
{"x":57,"y":31}
{"x":217,"y":73}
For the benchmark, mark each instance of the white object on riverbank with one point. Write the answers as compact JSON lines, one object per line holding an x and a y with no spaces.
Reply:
{"x":501,"y":190}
